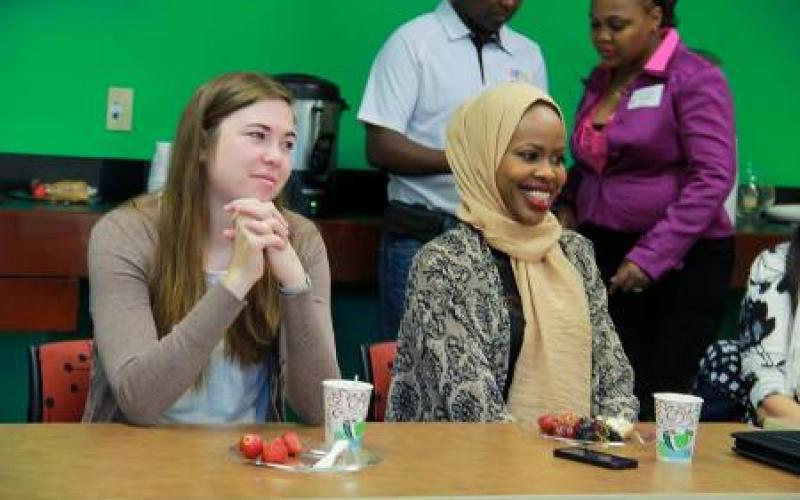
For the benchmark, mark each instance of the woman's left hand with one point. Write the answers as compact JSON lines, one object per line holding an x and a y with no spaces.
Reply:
{"x":264,"y":217}
{"x":629,"y":278}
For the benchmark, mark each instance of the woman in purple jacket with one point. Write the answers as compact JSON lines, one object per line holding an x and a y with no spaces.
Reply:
{"x":654,"y":145}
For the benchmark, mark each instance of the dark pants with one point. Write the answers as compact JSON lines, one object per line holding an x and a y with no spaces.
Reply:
{"x":396,"y":255}
{"x":665,"y":329}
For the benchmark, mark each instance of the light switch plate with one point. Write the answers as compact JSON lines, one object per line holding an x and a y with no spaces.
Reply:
{"x":119,"y":111}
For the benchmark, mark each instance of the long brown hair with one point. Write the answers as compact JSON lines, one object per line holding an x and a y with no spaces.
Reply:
{"x":178,"y":280}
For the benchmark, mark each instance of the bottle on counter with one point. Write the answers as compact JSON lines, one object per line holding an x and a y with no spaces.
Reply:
{"x":748,"y":198}
{"x":766,"y":197}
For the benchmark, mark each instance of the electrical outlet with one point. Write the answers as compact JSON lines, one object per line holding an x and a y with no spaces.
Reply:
{"x":119,"y":113}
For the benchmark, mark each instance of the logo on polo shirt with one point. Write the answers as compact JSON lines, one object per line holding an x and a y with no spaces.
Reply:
{"x":519,"y":75}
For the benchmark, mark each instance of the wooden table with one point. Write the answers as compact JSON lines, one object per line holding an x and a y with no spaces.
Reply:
{"x":66,"y":461}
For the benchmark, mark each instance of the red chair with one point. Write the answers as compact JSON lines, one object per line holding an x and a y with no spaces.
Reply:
{"x":377,"y":360}
{"x":60,"y":374}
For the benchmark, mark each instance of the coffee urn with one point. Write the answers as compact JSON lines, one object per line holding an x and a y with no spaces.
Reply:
{"x":317,"y":108}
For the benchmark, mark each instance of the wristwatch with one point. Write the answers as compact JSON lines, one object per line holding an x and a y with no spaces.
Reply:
{"x":295,"y":290}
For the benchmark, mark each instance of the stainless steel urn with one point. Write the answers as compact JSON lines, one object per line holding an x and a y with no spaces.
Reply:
{"x":317,"y":108}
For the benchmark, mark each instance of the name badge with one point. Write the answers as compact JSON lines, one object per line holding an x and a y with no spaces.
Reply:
{"x":647,"y":97}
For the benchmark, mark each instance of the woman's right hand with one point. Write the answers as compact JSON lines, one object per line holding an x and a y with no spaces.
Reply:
{"x":257,"y":226}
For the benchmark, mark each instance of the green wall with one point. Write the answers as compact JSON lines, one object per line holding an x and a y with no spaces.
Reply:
{"x":58,"y":58}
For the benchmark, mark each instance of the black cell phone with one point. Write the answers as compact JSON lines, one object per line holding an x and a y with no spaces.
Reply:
{"x":598,"y":458}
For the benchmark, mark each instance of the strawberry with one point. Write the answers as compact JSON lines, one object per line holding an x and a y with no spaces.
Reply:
{"x":547,"y":423}
{"x":251,"y":445}
{"x":292,"y":442}
{"x":275,"y":451}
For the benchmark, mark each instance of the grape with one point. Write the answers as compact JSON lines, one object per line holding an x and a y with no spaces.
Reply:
{"x":586,"y":431}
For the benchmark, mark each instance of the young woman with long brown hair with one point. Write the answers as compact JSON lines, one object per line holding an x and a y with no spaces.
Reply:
{"x":211,"y":302}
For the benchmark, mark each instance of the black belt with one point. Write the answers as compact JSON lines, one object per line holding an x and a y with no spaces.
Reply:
{"x":416,"y":221}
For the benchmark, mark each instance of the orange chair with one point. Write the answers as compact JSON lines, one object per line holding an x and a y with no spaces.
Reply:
{"x":60,"y":374}
{"x":377,"y":362}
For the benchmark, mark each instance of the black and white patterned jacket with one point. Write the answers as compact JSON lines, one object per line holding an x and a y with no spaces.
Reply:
{"x":766,"y":327}
{"x":453,"y":343}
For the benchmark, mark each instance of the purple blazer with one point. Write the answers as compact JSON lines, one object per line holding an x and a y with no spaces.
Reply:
{"x":671,"y":158}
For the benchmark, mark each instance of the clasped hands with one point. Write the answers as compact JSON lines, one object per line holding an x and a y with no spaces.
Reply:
{"x":259,"y":234}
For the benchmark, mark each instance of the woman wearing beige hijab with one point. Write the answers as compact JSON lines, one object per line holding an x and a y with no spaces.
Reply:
{"x":506,"y":315}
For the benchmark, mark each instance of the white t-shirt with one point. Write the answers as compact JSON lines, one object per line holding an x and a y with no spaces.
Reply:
{"x":424,"y":71}
{"x":230,"y":393}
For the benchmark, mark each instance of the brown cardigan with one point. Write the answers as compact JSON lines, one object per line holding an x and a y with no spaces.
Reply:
{"x":136,"y":377}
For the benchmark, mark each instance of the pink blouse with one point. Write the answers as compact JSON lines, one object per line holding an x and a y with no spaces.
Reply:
{"x":592,"y":142}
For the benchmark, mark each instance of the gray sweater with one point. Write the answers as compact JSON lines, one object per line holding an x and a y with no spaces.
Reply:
{"x":136,"y":376}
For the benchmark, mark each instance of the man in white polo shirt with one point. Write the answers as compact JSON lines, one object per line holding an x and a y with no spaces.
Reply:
{"x":424,"y":71}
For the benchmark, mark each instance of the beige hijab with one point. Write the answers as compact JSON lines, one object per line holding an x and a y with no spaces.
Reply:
{"x":553,"y":371}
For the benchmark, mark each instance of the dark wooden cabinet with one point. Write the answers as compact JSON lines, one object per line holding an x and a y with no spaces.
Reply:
{"x":43,"y":259}
{"x":39,"y":304}
{"x":352,"y":246}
